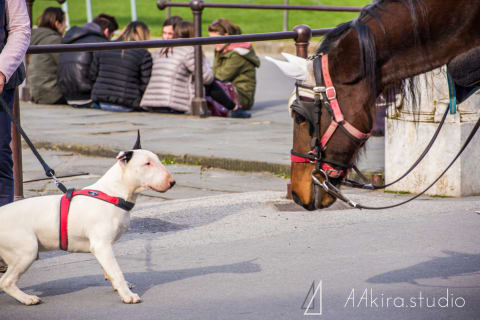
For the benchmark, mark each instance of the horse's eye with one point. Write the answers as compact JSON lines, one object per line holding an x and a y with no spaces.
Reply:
{"x":299,"y":118}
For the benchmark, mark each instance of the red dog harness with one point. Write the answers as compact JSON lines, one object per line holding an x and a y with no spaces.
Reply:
{"x":65,"y":207}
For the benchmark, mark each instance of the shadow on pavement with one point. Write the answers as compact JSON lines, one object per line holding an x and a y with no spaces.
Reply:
{"x":455,"y":264}
{"x":143,"y":281}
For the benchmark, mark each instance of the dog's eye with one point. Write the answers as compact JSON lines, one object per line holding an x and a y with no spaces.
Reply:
{"x":147,"y":164}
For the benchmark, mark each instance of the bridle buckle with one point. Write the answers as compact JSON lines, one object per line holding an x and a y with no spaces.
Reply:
{"x":331,"y":93}
{"x":310,"y":153}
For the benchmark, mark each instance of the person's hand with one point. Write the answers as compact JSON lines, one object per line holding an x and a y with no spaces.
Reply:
{"x":3,"y":79}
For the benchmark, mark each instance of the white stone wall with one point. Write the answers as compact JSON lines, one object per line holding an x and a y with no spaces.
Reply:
{"x":408,"y":132}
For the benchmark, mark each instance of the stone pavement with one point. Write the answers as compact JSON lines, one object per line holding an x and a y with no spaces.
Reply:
{"x":78,"y":171}
{"x":216,"y":251}
{"x":261,"y":143}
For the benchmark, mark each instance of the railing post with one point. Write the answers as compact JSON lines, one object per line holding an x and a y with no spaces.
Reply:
{"x":89,"y":10}
{"x":285,"y":16}
{"x":169,"y":12}
{"x":133,"y":6}
{"x":16,"y":146}
{"x":302,"y":39}
{"x":199,"y":102}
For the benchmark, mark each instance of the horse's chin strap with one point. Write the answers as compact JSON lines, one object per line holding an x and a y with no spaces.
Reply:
{"x":324,"y":95}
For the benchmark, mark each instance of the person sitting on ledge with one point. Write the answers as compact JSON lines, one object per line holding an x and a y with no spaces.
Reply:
{"x":42,"y":69}
{"x":121,"y":76}
{"x":235,"y":63}
{"x":171,"y":87}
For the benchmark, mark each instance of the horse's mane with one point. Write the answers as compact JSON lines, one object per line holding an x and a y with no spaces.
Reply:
{"x":367,"y":46}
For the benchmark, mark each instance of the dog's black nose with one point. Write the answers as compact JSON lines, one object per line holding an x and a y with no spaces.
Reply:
{"x":172,"y":183}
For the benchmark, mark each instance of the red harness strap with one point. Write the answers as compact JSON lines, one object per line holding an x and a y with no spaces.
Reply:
{"x":65,"y":207}
{"x":329,"y":170}
{"x":337,"y":112}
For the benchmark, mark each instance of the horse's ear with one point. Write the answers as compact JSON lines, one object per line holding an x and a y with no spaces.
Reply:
{"x":295,"y":67}
{"x":137,"y":143}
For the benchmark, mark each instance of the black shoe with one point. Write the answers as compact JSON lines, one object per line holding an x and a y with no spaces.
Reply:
{"x":240,"y":113}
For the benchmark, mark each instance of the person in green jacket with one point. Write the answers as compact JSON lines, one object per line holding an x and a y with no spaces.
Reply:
{"x":42,"y":69}
{"x":235,"y":63}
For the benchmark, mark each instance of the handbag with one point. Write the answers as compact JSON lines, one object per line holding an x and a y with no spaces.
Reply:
{"x":216,"y":109}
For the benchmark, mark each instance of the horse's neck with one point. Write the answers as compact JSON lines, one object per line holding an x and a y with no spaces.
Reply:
{"x":451,"y":32}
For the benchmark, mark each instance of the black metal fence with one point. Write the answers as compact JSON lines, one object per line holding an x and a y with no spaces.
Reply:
{"x":301,"y":34}
{"x":162,"y":4}
{"x":167,"y":4}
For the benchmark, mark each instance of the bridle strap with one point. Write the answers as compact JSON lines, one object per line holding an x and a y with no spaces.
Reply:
{"x":325,"y":95}
{"x":331,"y":96}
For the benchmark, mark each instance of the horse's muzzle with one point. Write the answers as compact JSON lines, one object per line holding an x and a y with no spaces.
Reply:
{"x":318,"y":200}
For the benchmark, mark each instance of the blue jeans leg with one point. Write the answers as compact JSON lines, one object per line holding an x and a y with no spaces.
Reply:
{"x":6,"y":162}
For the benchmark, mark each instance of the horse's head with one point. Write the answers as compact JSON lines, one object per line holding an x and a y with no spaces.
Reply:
{"x":325,"y":138}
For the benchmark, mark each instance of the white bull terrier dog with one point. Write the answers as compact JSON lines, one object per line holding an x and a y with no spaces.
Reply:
{"x":32,"y":225}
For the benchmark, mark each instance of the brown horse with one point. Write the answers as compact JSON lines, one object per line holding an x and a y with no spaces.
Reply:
{"x":376,"y":54}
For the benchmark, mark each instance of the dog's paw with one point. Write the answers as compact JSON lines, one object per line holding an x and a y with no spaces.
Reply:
{"x":131,"y":298}
{"x":30,"y":300}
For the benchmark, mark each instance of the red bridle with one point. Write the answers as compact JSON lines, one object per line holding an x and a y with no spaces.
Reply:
{"x":328,"y":98}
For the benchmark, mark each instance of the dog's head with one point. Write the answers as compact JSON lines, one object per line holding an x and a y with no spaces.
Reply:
{"x":144,"y":170}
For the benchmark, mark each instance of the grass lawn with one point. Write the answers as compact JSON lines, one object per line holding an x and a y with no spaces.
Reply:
{"x":251,"y":21}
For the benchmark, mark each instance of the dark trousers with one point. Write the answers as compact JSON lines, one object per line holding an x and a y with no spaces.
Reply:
{"x":6,"y":162}
{"x":216,"y":92}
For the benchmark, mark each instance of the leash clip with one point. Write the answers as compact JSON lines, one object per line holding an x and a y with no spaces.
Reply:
{"x":59,"y":184}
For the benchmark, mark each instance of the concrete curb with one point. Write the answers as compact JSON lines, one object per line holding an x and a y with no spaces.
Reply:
{"x":207,"y":162}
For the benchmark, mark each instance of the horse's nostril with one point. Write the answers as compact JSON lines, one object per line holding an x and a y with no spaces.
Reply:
{"x":172,"y":183}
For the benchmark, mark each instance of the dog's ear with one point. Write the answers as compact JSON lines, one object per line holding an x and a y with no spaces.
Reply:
{"x":137,"y":143}
{"x":125,"y":156}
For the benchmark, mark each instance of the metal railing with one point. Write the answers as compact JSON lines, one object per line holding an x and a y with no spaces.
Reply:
{"x":197,"y":6}
{"x":167,"y":4}
{"x":301,"y":34}
{"x":162,"y":4}
{"x":298,"y":34}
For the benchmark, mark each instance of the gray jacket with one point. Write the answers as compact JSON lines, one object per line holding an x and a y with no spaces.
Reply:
{"x":171,"y":83}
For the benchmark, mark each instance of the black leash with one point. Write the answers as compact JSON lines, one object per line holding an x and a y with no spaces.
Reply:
{"x":335,"y":192}
{"x":48,"y":171}
{"x":354,"y":184}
